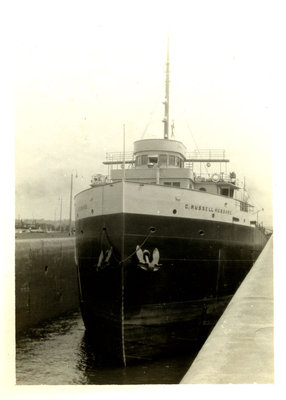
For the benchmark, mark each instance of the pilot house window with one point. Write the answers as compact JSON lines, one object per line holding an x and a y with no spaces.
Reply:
{"x":144,"y":160}
{"x":141,"y":160}
{"x":153,"y":160}
{"x":162,"y":160}
{"x":178,"y":162}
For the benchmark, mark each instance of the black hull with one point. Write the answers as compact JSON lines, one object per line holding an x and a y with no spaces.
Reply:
{"x":134,"y":313}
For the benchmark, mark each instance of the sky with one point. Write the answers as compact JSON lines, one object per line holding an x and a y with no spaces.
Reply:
{"x":85,"y":68}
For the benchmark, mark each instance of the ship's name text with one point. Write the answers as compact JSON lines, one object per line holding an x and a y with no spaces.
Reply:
{"x":208,"y":209}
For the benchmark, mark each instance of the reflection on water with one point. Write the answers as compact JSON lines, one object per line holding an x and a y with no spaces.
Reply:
{"x":60,"y":353}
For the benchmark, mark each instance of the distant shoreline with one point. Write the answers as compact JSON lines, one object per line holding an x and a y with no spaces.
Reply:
{"x":42,"y":235}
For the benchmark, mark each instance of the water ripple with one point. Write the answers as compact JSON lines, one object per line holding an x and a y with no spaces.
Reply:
{"x":59,"y":353}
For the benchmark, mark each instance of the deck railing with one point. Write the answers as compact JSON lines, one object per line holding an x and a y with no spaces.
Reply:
{"x":119,"y":156}
{"x":207,"y":154}
{"x":200,"y":154}
{"x":216,"y":177}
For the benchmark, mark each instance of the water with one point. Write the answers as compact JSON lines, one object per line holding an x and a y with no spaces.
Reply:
{"x":59,"y":353}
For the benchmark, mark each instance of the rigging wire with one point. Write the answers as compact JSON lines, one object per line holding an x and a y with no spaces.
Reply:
{"x":190,"y":130}
{"x":192,"y":135}
{"x":254,"y":199}
{"x":151,"y":117}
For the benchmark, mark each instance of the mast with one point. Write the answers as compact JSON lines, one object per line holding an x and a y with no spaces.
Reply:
{"x":61,"y":208}
{"x":123,"y":176}
{"x":70,"y":220}
{"x":166,"y":102}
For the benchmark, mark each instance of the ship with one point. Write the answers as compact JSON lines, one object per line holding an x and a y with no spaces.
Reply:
{"x":162,"y":242}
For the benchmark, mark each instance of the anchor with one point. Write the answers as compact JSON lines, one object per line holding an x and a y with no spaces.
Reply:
{"x":144,"y":259}
{"x":103,"y":259}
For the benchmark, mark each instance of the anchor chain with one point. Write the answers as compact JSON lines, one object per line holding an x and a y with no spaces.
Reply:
{"x":105,"y":257}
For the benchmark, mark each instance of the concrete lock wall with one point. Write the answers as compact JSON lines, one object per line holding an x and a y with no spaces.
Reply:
{"x":240,"y":349}
{"x":45,"y":280}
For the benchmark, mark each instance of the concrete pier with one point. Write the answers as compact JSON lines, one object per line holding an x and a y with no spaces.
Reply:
{"x":45,"y":280}
{"x":240,"y":347}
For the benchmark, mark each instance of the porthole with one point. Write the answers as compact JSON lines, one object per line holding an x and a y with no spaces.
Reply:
{"x":152,"y":229}
{"x":92,"y":210}
{"x":201,"y":232}
{"x":174,"y":211}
